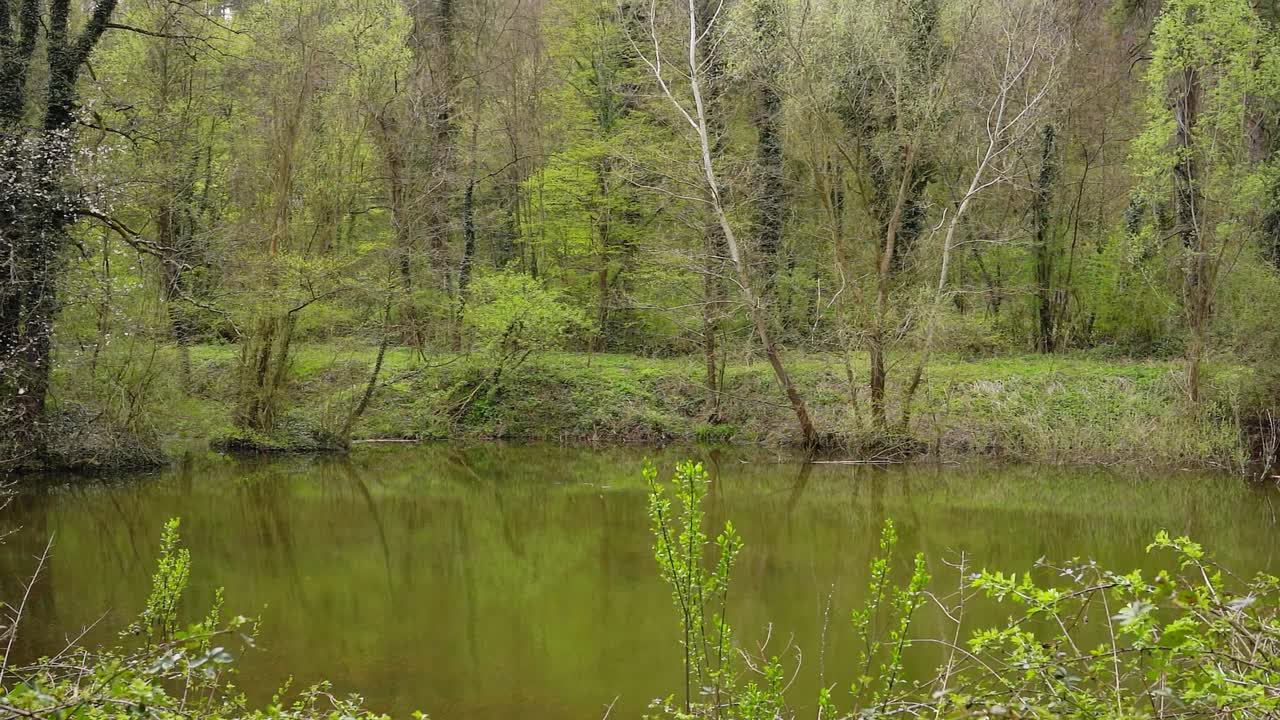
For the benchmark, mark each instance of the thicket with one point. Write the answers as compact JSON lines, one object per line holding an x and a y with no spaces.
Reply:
{"x":874,"y":182}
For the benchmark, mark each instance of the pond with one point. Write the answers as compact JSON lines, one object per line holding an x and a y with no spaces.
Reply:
{"x":496,"y":582}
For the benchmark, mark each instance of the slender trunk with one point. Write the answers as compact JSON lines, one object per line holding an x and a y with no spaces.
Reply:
{"x":710,"y":312}
{"x":464,"y":265}
{"x":713,"y":244}
{"x":404,"y":224}
{"x":468,"y":238}
{"x":400,"y":220}
{"x":948,"y":245}
{"x":998,"y":141}
{"x":506,"y":248}
{"x":884,"y":276}
{"x":1195,"y":353}
{"x":741,"y":271}
{"x":171,"y":271}
{"x":1046,"y":332}
{"x":370,"y":386}
{"x":535,"y":248}
{"x":879,"y":377}
{"x":603,"y":227}
{"x":1189,"y":209}
{"x":468,"y":228}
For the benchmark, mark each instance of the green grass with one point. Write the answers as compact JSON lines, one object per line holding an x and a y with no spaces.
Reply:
{"x":1057,"y":409}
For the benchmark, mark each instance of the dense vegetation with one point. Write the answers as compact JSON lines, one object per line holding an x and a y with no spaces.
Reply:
{"x":281,"y":223}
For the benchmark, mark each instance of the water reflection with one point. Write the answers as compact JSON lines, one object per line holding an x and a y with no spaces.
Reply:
{"x":486,"y":582}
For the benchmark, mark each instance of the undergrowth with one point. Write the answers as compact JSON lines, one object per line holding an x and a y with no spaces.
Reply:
{"x":1063,"y":409}
{"x":1067,"y":410}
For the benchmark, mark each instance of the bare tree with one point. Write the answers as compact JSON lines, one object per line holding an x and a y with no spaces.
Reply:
{"x":701,"y":34}
{"x":1025,"y":45}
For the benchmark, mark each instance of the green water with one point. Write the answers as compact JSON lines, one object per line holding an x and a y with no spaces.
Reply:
{"x":498,"y":582}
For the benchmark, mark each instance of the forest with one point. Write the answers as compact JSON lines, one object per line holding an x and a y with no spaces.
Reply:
{"x":291,"y":223}
{"x":671,"y":359}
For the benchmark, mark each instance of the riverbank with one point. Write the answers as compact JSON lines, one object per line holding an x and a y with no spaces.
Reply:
{"x":1057,"y":409}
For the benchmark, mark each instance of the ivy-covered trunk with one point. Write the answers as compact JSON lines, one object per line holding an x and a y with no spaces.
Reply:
{"x":37,"y":201}
{"x":32,"y":235}
{"x":1189,"y":201}
{"x":771,"y":192}
{"x":264,"y":366}
{"x":1046,"y":326}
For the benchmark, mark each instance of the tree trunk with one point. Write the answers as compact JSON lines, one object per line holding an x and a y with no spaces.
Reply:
{"x":771,"y":189}
{"x":710,"y":316}
{"x":264,"y":364}
{"x":432,"y":41}
{"x":603,"y":228}
{"x":468,"y":257}
{"x":34,"y":163}
{"x":713,"y":242}
{"x":741,"y":271}
{"x":367,"y":395}
{"x":1189,"y":212}
{"x":1046,"y":331}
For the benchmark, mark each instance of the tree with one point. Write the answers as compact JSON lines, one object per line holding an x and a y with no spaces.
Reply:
{"x":892,"y":75}
{"x":1023,"y":41}
{"x":164,"y":119}
{"x":38,"y":194}
{"x":1209,"y":59}
{"x":317,"y":71}
{"x":702,"y":34}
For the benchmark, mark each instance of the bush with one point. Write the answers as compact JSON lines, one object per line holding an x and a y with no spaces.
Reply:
{"x":511,"y":312}
{"x":971,"y":335}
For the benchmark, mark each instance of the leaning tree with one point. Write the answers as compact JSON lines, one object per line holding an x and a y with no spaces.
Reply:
{"x":42,"y":49}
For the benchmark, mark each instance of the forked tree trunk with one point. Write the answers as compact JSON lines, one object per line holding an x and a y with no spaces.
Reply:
{"x":34,"y":164}
{"x":884,"y":277}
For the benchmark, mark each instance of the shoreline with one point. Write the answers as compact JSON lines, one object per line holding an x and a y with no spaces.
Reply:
{"x":1062,"y":410}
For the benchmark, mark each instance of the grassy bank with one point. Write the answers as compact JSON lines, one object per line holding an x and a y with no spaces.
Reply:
{"x":1034,"y":408}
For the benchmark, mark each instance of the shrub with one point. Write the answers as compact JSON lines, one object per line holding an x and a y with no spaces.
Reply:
{"x":511,"y":312}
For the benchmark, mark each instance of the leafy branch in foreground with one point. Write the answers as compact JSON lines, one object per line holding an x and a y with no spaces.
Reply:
{"x":1191,"y":641}
{"x":698,"y":571}
{"x":177,"y":674}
